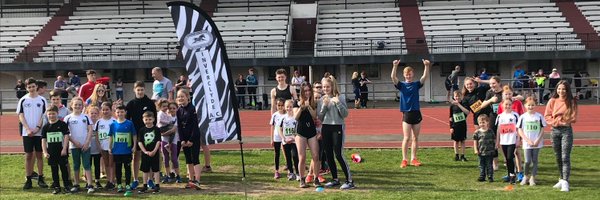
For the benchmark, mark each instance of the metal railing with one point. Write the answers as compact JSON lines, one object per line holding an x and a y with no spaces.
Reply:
{"x":321,"y":48}
{"x":377,"y":91}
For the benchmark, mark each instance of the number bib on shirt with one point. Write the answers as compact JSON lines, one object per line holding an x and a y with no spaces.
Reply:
{"x":123,"y":137}
{"x":102,"y":136}
{"x":533,"y":126}
{"x":475,"y":107}
{"x":54,"y":137}
{"x":459,"y":117}
{"x":507,"y":128}
{"x":495,"y":107}
{"x":288,"y":131}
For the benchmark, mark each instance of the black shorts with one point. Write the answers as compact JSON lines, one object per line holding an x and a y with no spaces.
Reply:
{"x":192,"y":154}
{"x":58,"y":160}
{"x":459,"y":133}
{"x":32,"y":143}
{"x":125,"y":158}
{"x":149,"y":163}
{"x":412,"y":117}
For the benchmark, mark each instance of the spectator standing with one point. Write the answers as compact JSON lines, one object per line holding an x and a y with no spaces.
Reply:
{"x":297,"y":81}
{"x":240,"y":88}
{"x":364,"y":89}
{"x":182,"y":83}
{"x":119,"y":89}
{"x":20,"y":88}
{"x":452,"y":82}
{"x":74,"y":83}
{"x":540,"y":82}
{"x":162,"y":86}
{"x":60,"y":85}
{"x":86,"y":90}
{"x":554,"y":77}
{"x":252,"y":82}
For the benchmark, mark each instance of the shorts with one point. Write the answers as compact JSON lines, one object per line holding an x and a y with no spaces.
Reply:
{"x":32,"y":143}
{"x":356,"y":94}
{"x":149,"y":163}
{"x":81,"y":157}
{"x":412,"y":117}
{"x":192,"y":154}
{"x":58,"y":160}
{"x":460,"y":133}
{"x":125,"y":158}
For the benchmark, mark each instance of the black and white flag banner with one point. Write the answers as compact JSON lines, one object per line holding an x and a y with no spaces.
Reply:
{"x":208,"y":69}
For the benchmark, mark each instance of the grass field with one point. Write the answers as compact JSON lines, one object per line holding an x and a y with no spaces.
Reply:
{"x":378,"y":177}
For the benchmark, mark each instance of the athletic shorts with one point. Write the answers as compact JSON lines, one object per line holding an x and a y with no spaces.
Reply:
{"x":459,"y":133}
{"x":32,"y":143}
{"x":412,"y":117}
{"x":150,"y":163}
{"x":192,"y":154}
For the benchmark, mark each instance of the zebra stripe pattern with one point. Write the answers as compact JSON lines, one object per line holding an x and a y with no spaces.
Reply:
{"x":189,"y":19}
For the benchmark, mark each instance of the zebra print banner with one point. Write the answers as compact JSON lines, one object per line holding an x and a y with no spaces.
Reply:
{"x":207,"y":65}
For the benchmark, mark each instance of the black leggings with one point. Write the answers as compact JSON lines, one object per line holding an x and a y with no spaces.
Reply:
{"x":96,"y":162}
{"x":322,"y":155}
{"x":333,"y":141}
{"x":509,"y":155}
{"x":277,"y":148}
{"x":123,"y":161}
{"x":291,"y":154}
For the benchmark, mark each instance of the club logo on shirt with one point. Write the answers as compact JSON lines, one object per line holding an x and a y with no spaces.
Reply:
{"x":73,"y":121}
{"x":144,"y":108}
{"x":102,"y":126}
{"x":39,"y":105}
{"x":84,"y":121}
{"x":27,"y":105}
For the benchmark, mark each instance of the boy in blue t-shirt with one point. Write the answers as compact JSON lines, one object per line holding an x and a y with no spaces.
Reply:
{"x":123,"y":142}
{"x":409,"y":106}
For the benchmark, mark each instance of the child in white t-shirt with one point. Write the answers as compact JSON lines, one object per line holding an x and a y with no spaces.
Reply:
{"x":275,"y":136}
{"x":287,"y":132}
{"x":102,"y":128}
{"x":531,"y":129}
{"x":80,"y":127}
{"x":507,"y":136}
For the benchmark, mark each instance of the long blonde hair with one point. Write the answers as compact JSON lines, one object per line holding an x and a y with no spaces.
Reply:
{"x":94,"y":98}
{"x":335,"y":91}
{"x":354,"y":75}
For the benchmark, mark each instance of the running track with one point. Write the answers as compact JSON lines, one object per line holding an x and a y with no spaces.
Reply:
{"x":363,"y":123}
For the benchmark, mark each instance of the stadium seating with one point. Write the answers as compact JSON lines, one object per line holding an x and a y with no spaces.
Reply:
{"x":253,"y":5}
{"x":15,"y":33}
{"x":352,"y":32}
{"x":497,"y":28}
{"x":355,"y":4}
{"x":151,"y":36}
{"x":478,"y":2}
{"x":591,"y":10}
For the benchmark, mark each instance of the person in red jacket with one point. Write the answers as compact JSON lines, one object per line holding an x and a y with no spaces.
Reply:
{"x":86,"y":90}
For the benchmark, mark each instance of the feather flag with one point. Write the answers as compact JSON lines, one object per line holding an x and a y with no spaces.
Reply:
{"x":207,"y":66}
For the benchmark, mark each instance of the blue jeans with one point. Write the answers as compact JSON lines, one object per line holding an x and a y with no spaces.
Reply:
{"x":562,"y":143}
{"x":119,"y":94}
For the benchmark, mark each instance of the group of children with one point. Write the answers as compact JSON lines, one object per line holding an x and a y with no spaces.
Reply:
{"x":116,"y":134}
{"x":510,"y":125}
{"x":315,"y":120}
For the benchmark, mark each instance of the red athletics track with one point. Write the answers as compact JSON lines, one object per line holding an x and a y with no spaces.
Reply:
{"x":363,"y":122}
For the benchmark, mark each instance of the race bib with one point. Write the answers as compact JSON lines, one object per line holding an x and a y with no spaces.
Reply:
{"x":121,"y":137}
{"x":495,"y":107}
{"x":533,"y":126}
{"x":54,"y":137}
{"x":507,"y":128}
{"x":288,"y":131}
{"x":475,"y":107}
{"x":459,"y":117}
{"x":102,"y":136}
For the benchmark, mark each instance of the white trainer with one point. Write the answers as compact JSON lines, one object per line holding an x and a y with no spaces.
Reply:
{"x":565,"y":186}
{"x":559,"y":184}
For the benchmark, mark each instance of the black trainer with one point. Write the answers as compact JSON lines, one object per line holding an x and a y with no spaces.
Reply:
{"x":481,"y":179}
{"x":462,"y":158}
{"x":156,"y":189}
{"x":28,"y":184}
{"x":143,"y":189}
{"x":34,"y":175}
{"x":98,"y":185}
{"x":56,"y":190}
{"x":109,"y":186}
{"x":41,"y":182}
